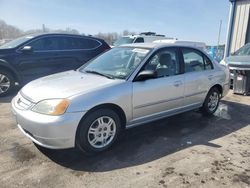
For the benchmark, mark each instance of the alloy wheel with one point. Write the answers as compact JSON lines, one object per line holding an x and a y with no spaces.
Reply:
{"x":213,"y":101}
{"x":101,"y":132}
{"x":4,"y":83}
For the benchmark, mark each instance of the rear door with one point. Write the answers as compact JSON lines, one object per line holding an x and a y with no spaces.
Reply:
{"x":81,"y":49}
{"x":74,"y":52}
{"x":198,"y":76}
{"x":154,"y":97}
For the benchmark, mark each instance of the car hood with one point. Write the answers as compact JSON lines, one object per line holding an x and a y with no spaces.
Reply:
{"x":5,"y":51}
{"x":65,"y":85}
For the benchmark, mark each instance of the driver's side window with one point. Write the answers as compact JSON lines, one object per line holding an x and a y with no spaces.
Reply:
{"x":165,"y":63}
{"x":45,"y":44}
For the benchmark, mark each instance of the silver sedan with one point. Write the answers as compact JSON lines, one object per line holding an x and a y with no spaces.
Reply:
{"x":124,"y":87}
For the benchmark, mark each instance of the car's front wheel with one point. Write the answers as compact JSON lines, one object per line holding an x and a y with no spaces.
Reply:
{"x":98,"y":131}
{"x":211,"y":102}
{"x":7,"y":83}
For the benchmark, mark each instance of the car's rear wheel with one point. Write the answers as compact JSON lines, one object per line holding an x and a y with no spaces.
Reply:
{"x":211,"y":102}
{"x":98,"y":131}
{"x":7,"y":83}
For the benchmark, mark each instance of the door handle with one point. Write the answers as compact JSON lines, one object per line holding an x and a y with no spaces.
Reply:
{"x":210,"y":77}
{"x":177,"y":83}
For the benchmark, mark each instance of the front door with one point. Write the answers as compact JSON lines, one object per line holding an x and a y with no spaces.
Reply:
{"x":47,"y":57}
{"x":156,"y":97}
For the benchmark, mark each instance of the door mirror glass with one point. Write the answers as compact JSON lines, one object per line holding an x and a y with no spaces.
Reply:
{"x":26,"y":49}
{"x":145,"y":75}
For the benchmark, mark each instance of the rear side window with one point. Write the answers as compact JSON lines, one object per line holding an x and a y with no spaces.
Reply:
{"x":64,"y":43}
{"x":69,"y":43}
{"x":193,"y":60}
{"x":139,"y":40}
{"x":85,"y":43}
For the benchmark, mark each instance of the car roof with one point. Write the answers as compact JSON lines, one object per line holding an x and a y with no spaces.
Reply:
{"x":162,"y":45}
{"x":155,"y":45}
{"x":145,"y":36}
{"x":145,"y":45}
{"x":62,"y":34}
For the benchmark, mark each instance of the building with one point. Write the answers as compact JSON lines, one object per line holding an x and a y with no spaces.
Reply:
{"x":238,"y":33}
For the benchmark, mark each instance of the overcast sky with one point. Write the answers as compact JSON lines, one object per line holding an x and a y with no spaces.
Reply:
{"x":196,"y":20}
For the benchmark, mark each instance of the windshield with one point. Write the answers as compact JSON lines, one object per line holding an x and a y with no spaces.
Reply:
{"x":245,"y":50}
{"x":116,"y":63}
{"x":123,"y":40}
{"x":16,"y":42}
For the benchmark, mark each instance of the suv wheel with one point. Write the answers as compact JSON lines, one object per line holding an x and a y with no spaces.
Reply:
{"x":7,"y":83}
{"x":98,"y":131}
{"x":211,"y":102}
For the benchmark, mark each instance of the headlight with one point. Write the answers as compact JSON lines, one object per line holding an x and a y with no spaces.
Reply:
{"x":51,"y":106}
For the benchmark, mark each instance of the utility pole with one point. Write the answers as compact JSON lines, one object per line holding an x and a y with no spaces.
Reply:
{"x":43,"y":27}
{"x":217,"y":54}
{"x":218,"y":44}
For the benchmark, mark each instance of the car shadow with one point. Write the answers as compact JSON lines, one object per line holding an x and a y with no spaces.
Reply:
{"x":152,"y":141}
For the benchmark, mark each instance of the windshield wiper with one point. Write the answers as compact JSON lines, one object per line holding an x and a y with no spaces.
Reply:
{"x":99,"y":73}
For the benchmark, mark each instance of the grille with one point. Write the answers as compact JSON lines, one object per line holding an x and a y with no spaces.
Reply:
{"x":22,"y":103}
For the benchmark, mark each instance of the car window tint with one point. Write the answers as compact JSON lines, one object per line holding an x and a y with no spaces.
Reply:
{"x":64,"y":43}
{"x":208,"y":63}
{"x":139,"y":40}
{"x":85,"y":43}
{"x":45,"y":44}
{"x":68,"y":43}
{"x":165,"y":63}
{"x":193,"y":60}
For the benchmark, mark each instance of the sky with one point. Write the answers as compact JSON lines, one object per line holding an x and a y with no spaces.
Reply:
{"x":196,"y":20}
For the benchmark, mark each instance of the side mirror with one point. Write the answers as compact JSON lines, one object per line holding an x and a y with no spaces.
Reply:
{"x":145,"y":75}
{"x":27,"y":49}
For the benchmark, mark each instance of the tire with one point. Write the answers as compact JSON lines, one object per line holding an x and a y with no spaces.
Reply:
{"x":7,"y":83}
{"x":94,"y":134}
{"x":209,"y":107}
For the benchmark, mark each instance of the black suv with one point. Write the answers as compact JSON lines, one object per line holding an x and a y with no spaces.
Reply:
{"x":30,"y":57}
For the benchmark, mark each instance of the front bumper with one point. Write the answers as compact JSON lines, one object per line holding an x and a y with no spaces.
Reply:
{"x":54,"y":132}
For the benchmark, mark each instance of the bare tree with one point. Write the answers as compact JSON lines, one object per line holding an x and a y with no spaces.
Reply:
{"x":9,"y":31}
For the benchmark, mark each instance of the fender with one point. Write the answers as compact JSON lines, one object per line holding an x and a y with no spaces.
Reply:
{"x":7,"y":65}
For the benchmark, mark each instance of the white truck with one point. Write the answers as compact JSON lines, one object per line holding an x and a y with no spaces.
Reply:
{"x":200,"y":45}
{"x":140,"y":38}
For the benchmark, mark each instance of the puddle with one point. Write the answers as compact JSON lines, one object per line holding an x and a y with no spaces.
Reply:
{"x":222,"y":112}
